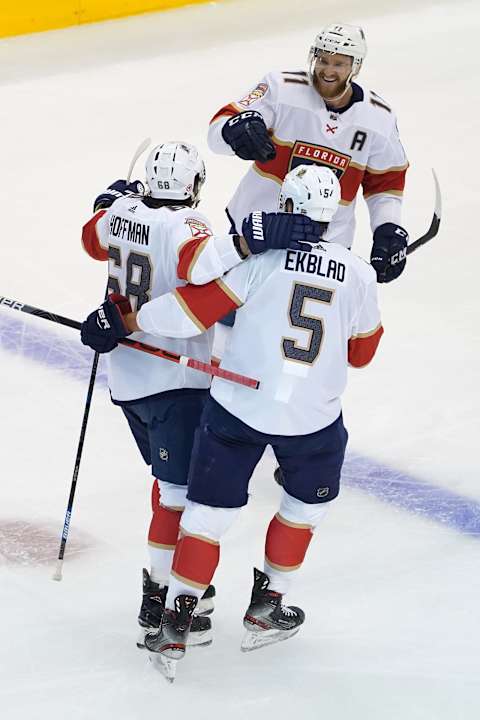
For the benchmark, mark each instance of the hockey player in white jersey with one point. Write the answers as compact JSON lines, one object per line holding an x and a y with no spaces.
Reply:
{"x":155,"y":242}
{"x":322,"y":116}
{"x":301,"y":319}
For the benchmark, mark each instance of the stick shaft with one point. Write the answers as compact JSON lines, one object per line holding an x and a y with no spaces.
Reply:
{"x":207,"y":368}
{"x":76,"y":469}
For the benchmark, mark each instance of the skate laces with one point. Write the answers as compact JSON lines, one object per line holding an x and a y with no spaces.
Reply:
{"x":288,"y":611}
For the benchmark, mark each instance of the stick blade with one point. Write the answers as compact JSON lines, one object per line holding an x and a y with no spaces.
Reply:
{"x":57,"y":575}
{"x":139,"y":151}
{"x":438,"y":196}
{"x":435,"y":224}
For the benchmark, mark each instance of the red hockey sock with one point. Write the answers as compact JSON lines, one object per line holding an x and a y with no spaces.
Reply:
{"x":164,"y":526}
{"x":195,"y":560}
{"x":162,"y":537}
{"x":286,"y":543}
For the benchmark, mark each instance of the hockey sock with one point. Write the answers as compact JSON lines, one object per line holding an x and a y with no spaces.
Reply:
{"x":162,"y":537}
{"x":194,"y":564}
{"x":285,"y":548}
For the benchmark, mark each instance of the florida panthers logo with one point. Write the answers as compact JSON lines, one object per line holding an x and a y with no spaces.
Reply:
{"x":199,"y":230}
{"x":307,"y":154}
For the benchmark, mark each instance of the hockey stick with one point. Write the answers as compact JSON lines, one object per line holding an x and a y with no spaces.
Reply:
{"x":435,"y":224}
{"x":208,"y":368}
{"x":57,"y":575}
{"x":139,"y":151}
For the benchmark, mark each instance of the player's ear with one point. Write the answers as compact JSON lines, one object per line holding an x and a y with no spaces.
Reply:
{"x":289,"y":205}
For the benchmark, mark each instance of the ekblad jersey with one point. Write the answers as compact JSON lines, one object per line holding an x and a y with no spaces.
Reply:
{"x":151,"y":251}
{"x":301,"y":319}
{"x":360,"y":144}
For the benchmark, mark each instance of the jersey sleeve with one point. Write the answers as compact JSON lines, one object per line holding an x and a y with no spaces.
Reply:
{"x":260,"y":98}
{"x":95,"y":236}
{"x":367,"y":328}
{"x":384,"y":179}
{"x":190,"y":310}
{"x":201,"y":256}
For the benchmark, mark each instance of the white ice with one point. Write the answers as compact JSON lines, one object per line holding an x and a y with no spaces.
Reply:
{"x":392,"y":598}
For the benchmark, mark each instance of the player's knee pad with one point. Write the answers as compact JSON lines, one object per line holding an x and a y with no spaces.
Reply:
{"x":171,"y":495}
{"x":296,"y":511}
{"x":206,"y":521}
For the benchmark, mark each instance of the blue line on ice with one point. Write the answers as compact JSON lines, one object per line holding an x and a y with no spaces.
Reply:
{"x":387,"y":484}
{"x":49,"y":348}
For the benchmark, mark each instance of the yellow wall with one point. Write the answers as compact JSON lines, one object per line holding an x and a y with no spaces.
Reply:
{"x":26,"y":16}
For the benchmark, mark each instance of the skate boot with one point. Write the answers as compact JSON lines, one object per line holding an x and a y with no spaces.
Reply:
{"x":153,"y":606}
{"x":168,"y":644}
{"x":267,"y":621}
{"x":205,"y":604}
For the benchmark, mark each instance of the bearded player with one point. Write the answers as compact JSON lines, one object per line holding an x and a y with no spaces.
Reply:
{"x":324,"y":117}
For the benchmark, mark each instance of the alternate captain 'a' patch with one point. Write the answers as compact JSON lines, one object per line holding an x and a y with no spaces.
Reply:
{"x":307,"y":154}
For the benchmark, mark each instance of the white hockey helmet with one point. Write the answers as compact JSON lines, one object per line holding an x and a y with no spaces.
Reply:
{"x":312,"y":190}
{"x":175,"y":171}
{"x":342,"y":39}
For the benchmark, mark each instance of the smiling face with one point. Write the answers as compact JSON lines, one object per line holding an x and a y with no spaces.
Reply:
{"x":331,"y":73}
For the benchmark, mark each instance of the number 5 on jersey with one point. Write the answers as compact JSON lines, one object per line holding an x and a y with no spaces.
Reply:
{"x":313,"y":325}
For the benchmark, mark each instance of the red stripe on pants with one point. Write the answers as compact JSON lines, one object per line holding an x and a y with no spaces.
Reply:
{"x":196,"y":560}
{"x":285,"y":545}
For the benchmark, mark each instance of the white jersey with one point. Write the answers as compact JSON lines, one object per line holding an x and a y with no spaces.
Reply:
{"x":151,"y":251}
{"x":359,"y":143}
{"x":301,"y":319}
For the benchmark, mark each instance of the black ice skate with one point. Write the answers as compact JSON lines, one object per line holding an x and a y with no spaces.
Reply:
{"x":267,"y":621}
{"x":153,"y":605}
{"x":168,"y":644}
{"x":205,"y":604}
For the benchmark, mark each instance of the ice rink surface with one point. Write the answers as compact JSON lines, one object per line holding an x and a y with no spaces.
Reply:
{"x":391,"y":583}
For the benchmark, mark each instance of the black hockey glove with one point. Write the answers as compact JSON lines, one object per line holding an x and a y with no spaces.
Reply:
{"x":117,"y":189}
{"x":389,"y":251}
{"x":247,"y":135}
{"x":279,"y":231}
{"x":104,"y":327}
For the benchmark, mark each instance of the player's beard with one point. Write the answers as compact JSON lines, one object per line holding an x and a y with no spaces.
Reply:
{"x":329,"y":91}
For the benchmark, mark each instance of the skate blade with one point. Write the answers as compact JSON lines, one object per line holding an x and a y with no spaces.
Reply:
{"x":256,"y":639}
{"x":197,"y":639}
{"x":142,"y":633}
{"x":165,"y":666}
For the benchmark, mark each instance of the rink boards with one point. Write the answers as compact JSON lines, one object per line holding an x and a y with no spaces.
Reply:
{"x":32,"y":16}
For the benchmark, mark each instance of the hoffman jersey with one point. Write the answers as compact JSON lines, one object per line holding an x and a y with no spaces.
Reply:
{"x":151,"y":251}
{"x":301,"y":319}
{"x":360,"y":143}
